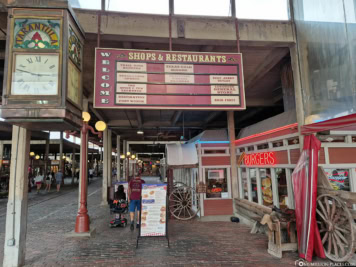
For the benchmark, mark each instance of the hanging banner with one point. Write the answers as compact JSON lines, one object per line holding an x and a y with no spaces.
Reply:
{"x":146,"y":79}
{"x":153,"y":221}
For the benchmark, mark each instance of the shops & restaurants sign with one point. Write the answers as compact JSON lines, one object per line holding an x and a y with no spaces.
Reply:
{"x":168,"y":80}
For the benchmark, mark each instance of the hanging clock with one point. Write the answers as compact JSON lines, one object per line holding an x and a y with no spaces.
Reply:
{"x":35,"y":74}
{"x":43,"y":87}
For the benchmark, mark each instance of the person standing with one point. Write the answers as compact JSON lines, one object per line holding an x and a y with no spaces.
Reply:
{"x":134,"y":192}
{"x":59,"y":178}
{"x":39,"y":181}
{"x":48,"y":181}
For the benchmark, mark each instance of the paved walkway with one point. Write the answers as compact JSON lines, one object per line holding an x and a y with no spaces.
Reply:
{"x":192,"y":243}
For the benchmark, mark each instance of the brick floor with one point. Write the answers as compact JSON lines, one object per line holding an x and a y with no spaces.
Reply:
{"x":193,"y":243}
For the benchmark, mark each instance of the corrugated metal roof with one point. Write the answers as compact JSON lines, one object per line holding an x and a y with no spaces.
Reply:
{"x":283,"y":119}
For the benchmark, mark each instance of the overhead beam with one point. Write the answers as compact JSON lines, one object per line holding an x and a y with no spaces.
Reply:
{"x":196,"y":28}
{"x":176,"y":117}
{"x":207,"y":48}
{"x":99,"y":114}
{"x":127,"y":45}
{"x":211,"y":117}
{"x":139,"y":118}
{"x":260,"y":102}
{"x":273,"y":57}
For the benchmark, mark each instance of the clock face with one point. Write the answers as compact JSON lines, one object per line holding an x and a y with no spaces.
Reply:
{"x":35,"y":74}
{"x":73,"y":83}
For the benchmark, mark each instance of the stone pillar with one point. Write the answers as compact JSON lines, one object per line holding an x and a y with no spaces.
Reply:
{"x":105,"y":169}
{"x":118,"y":154}
{"x":16,"y":215}
{"x":73,"y":165}
{"x":46,"y":157}
{"x":233,"y":163}
{"x":109,"y":157}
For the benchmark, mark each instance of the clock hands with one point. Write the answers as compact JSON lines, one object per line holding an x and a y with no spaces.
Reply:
{"x":27,"y":72}
{"x":35,"y":74}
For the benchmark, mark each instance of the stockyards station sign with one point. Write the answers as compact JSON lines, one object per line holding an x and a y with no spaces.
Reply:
{"x":168,"y":80}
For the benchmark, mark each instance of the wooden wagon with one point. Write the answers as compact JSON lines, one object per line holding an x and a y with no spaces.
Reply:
{"x":336,"y":220}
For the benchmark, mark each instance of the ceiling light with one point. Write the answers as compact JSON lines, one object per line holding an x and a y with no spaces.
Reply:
{"x":139,"y":132}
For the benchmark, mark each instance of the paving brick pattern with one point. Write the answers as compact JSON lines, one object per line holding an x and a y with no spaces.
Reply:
{"x":193,"y":243}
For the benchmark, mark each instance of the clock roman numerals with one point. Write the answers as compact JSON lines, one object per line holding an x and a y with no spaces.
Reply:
{"x":35,"y":74}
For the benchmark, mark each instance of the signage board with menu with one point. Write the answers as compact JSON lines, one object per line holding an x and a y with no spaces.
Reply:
{"x":153,"y":216}
{"x":142,"y":79}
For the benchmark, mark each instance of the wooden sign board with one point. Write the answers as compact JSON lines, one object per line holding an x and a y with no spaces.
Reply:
{"x":141,"y":79}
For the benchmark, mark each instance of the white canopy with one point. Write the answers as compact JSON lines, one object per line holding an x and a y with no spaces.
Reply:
{"x":182,"y":155}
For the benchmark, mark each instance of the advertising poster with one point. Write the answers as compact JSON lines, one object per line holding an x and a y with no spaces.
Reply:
{"x":153,"y":210}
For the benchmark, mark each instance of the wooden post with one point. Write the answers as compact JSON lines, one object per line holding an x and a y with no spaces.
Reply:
{"x":233,"y":162}
{"x":16,"y":215}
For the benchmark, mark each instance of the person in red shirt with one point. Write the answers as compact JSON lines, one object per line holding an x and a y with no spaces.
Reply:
{"x":134,"y":192}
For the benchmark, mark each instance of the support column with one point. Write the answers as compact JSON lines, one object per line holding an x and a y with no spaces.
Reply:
{"x":61,"y":161}
{"x":16,"y":215}
{"x":1,"y":153}
{"x":104,"y":200}
{"x":118,"y":153}
{"x":73,"y":166}
{"x":233,"y":163}
{"x":46,"y":157}
{"x":83,"y":148}
{"x":124,"y":160}
{"x":109,"y":162}
{"x":298,"y":91}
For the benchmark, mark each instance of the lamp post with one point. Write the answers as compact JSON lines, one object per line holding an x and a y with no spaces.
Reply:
{"x":133,"y":166}
{"x":128,"y":165}
{"x":82,"y":222}
{"x":32,"y":154}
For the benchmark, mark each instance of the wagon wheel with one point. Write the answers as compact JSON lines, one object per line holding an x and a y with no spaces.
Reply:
{"x":178,"y":184}
{"x":181,"y":203}
{"x":336,"y":228}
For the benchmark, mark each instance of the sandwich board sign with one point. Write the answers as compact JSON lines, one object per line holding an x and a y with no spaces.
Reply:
{"x":153,"y":215}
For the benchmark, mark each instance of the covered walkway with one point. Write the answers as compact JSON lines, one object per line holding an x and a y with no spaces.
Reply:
{"x":193,"y":243}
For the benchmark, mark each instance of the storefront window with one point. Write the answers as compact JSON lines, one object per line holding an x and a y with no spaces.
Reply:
{"x":293,"y":141}
{"x":216,"y":180}
{"x":262,"y":146}
{"x":339,"y":178}
{"x":244,"y":183}
{"x":266,"y":183}
{"x":278,"y":143}
{"x":282,"y":187}
{"x":250,"y":148}
{"x":253,"y":185}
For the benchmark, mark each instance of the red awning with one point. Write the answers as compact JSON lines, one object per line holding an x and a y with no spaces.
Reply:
{"x":332,"y":124}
